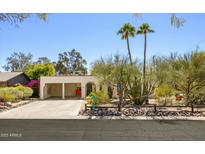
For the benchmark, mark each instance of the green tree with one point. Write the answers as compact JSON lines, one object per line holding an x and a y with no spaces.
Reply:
{"x":156,"y":74}
{"x":43,"y":60}
{"x":144,"y":29}
{"x":117,"y":72}
{"x":71,"y":63}
{"x":188,"y":74}
{"x":127,"y":31}
{"x":16,"y":18}
{"x":35,"y":71}
{"x":118,"y":75}
{"x":102,"y":69}
{"x":18,"y":61}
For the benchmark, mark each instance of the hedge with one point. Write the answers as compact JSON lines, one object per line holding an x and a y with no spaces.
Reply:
{"x":13,"y":94}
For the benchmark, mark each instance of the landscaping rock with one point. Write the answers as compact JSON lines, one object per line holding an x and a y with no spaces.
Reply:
{"x":2,"y":104}
{"x":131,"y":112}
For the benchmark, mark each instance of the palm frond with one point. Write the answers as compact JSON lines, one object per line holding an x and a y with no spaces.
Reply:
{"x":127,"y":31}
{"x":144,"y":28}
{"x":16,"y":18}
{"x":43,"y":16}
{"x":139,"y":32}
{"x":177,"y":21}
{"x":137,"y":15}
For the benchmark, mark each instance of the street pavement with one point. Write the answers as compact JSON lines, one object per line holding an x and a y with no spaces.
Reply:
{"x":101,"y":130}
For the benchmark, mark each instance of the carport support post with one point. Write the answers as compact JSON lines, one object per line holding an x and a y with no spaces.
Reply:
{"x":42,"y":91}
{"x":63,"y":90}
{"x":83,"y":90}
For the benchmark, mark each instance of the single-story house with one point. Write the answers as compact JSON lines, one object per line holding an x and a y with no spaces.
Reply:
{"x":12,"y":78}
{"x":70,"y":86}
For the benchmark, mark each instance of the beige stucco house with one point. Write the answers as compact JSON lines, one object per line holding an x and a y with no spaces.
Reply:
{"x":67,"y":86}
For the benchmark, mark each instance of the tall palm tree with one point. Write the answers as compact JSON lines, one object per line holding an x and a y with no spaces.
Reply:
{"x":127,"y":31}
{"x":144,"y":29}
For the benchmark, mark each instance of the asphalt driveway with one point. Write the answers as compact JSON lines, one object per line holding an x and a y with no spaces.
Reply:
{"x":46,"y":109}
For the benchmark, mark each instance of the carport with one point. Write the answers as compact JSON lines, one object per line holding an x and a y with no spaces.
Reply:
{"x":62,"y":90}
{"x":53,"y":90}
{"x":64,"y":87}
{"x":72,"y":90}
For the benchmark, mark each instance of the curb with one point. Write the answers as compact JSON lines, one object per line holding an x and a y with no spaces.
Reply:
{"x":140,"y":118}
{"x":115,"y":118}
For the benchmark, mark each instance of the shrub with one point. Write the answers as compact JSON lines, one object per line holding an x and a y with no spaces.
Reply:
{"x":34,"y":83}
{"x":163,"y":91}
{"x":27,"y":92}
{"x":8,"y":97}
{"x":140,"y":100}
{"x":89,"y":100}
{"x":101,"y":97}
{"x":10,"y":94}
{"x":16,"y":93}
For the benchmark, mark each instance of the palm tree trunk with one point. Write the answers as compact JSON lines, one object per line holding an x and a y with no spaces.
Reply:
{"x":144,"y":65}
{"x":129,"y":52}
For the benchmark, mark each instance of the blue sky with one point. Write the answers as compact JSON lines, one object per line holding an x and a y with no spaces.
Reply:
{"x":95,"y":35}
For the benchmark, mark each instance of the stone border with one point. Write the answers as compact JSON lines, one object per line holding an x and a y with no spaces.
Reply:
{"x":18,"y":105}
{"x":139,"y":118}
{"x":120,"y":118}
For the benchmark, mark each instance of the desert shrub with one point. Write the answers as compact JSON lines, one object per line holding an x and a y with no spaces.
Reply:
{"x":140,"y":100}
{"x":27,"y":92}
{"x":89,"y":100}
{"x":164,"y":92}
{"x":134,"y":94}
{"x":10,"y":94}
{"x":101,"y":97}
{"x":5,"y":97}
{"x":16,"y":93}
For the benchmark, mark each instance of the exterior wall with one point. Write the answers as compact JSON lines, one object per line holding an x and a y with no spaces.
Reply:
{"x":90,"y":87}
{"x":22,"y":79}
{"x":70,"y":89}
{"x":54,"y":90}
{"x":3,"y":84}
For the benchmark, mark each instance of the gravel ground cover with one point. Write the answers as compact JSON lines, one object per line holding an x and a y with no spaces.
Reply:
{"x":139,"y":112}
